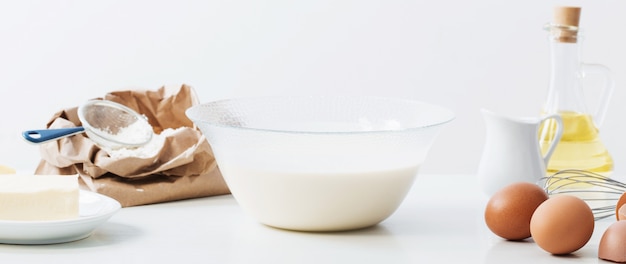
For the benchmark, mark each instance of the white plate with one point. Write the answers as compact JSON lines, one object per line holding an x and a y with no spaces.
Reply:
{"x":94,"y":209}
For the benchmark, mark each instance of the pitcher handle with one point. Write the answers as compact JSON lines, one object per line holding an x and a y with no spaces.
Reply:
{"x":557,"y":136}
{"x":607,"y":92}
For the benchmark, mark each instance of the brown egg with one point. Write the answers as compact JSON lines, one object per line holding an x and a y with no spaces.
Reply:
{"x":620,"y":203}
{"x":509,"y":210}
{"x":621,"y":212}
{"x":613,"y":243}
{"x":562,"y":224}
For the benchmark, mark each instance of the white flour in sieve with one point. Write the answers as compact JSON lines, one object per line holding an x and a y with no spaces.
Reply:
{"x":132,"y":133}
{"x":150,"y":149}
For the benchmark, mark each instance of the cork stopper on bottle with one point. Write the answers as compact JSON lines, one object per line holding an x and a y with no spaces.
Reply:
{"x":568,"y":18}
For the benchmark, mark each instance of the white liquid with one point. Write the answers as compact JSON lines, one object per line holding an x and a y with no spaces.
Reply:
{"x":318,"y":201}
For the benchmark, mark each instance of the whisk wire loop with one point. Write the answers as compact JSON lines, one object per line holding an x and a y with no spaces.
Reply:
{"x":600,"y":192}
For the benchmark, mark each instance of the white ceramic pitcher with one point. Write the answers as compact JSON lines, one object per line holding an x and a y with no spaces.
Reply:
{"x":511,"y":152}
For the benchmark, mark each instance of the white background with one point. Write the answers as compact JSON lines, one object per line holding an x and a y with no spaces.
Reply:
{"x":464,"y":55}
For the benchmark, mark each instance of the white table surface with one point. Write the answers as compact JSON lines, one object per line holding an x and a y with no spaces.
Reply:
{"x":441,"y":221}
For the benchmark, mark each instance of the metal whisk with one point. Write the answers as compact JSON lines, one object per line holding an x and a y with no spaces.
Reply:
{"x":600,"y":192}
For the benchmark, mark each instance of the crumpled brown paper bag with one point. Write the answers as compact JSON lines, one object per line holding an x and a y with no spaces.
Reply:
{"x":183,"y":168}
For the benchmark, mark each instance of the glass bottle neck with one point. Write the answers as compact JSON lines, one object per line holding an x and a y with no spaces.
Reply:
{"x":565,"y":91}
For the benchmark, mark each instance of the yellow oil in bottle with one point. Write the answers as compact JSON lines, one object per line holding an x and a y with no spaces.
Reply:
{"x":579,"y":148}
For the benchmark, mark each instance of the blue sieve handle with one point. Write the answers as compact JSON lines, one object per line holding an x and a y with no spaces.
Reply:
{"x":44,"y":135}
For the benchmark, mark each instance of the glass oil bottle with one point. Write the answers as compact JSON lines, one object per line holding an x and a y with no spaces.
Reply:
{"x":580,"y":146}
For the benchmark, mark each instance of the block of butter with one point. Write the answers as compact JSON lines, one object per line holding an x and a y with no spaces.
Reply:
{"x":38,"y":197}
{"x":6,"y":170}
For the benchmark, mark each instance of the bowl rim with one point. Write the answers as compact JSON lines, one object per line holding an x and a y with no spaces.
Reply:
{"x":447,"y":115}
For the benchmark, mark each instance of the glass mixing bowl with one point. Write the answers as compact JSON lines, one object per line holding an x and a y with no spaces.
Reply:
{"x":319,"y":163}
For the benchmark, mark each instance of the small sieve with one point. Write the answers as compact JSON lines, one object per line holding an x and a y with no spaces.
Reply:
{"x":107,"y":123}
